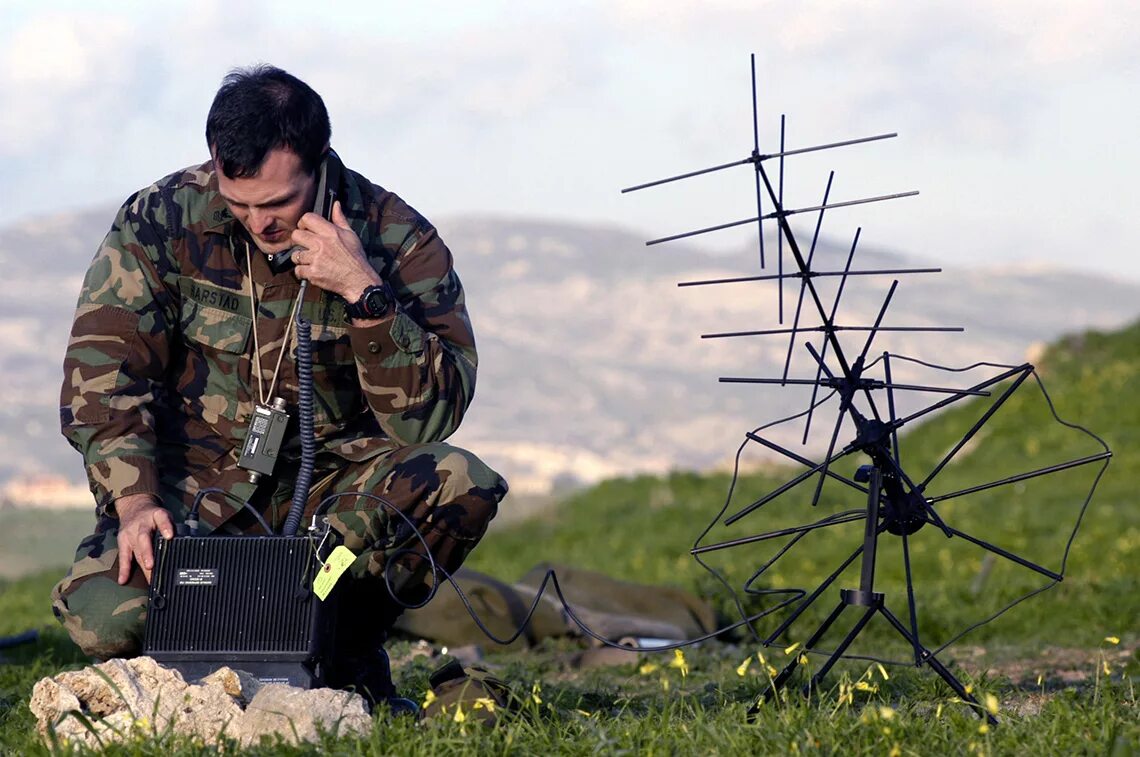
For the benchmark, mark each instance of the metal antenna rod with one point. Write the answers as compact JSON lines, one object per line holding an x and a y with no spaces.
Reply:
{"x":758,"y":158}
{"x":755,"y":157}
{"x":891,"y":410}
{"x":860,"y":361}
{"x":802,"y":460}
{"x":993,"y":408}
{"x":779,"y":214}
{"x":829,"y":321}
{"x":834,"y":383}
{"x":805,"y":275}
{"x":809,"y":275}
{"x":769,"y":332}
{"x":780,"y":229}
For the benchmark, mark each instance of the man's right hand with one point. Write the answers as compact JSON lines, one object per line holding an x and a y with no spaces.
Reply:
{"x":139,"y":516}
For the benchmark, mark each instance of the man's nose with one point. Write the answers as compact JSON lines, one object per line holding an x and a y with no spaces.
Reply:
{"x":259,"y":220}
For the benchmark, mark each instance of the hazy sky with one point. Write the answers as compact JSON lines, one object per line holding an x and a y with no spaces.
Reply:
{"x":1018,"y":120}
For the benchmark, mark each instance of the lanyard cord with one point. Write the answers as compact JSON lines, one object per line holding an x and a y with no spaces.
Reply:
{"x":256,"y":348}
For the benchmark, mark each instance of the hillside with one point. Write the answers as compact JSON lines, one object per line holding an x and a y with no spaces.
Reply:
{"x":641,"y":528}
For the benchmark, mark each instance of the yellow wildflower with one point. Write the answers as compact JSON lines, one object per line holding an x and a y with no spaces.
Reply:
{"x":792,"y":648}
{"x":1112,"y":639}
{"x":882,"y":671}
{"x":429,"y":697}
{"x":648,"y":668}
{"x":460,"y":716}
{"x":984,"y":728}
{"x":895,"y":751}
{"x":991,"y":703}
{"x":678,"y":662}
{"x":803,"y":659}
{"x":742,"y":668}
{"x":484,"y":703}
{"x":886,"y":713}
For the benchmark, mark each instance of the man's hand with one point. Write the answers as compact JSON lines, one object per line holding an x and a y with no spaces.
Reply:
{"x":333,"y":257}
{"x":139,"y":517}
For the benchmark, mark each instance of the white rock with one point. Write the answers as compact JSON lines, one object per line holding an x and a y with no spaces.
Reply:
{"x":120,"y":700}
{"x":296,"y":714}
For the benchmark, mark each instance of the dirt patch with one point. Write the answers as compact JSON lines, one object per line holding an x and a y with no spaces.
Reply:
{"x":1051,"y":668}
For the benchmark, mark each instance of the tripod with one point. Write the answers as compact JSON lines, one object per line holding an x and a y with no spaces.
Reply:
{"x":896,"y":516}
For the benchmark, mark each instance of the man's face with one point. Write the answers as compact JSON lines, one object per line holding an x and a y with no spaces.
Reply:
{"x":270,"y":204}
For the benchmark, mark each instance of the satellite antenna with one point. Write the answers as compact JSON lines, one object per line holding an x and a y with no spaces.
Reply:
{"x":896,"y":498}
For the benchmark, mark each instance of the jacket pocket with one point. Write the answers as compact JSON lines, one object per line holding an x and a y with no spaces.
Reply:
{"x":216,"y":342}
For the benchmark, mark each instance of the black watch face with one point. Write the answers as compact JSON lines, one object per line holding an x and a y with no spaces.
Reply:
{"x":375,"y":303}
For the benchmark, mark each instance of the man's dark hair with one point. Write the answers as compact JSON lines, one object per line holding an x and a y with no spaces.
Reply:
{"x":261,"y":108}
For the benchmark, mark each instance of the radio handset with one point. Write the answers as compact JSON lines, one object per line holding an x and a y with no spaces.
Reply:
{"x":326,"y":196}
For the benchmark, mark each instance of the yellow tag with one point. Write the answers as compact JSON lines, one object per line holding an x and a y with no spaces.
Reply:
{"x":332,"y":570}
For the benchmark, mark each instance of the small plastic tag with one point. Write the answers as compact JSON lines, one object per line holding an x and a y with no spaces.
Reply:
{"x":332,"y":570}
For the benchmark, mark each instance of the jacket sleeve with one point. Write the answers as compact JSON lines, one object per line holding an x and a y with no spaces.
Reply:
{"x":119,"y":347}
{"x":417,"y":366}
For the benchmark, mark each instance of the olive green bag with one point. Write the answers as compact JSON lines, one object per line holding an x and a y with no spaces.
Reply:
{"x":471,"y":693}
{"x":609,"y":607}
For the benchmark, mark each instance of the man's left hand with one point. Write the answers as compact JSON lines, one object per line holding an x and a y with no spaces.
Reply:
{"x":333,"y":257}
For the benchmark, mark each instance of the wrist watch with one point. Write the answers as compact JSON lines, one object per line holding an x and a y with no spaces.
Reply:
{"x":375,"y":302}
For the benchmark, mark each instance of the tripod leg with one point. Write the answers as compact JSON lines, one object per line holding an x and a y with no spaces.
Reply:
{"x":779,"y":681}
{"x":838,"y":653}
{"x":937,"y":666}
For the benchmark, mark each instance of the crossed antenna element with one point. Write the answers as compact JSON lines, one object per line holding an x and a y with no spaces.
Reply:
{"x":955,"y":485}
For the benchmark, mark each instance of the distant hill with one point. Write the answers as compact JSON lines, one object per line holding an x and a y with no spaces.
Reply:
{"x":591,"y":361}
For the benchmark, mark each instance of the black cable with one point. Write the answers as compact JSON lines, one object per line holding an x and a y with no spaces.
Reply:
{"x":192,"y":518}
{"x":550,"y":579}
{"x":305,"y":405}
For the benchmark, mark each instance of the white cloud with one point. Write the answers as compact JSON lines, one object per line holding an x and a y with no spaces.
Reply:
{"x":60,"y":71}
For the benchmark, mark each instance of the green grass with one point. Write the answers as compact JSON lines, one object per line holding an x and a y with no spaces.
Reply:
{"x":1062,"y":687}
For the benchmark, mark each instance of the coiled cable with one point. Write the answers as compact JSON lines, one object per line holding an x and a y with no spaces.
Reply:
{"x":305,"y":419}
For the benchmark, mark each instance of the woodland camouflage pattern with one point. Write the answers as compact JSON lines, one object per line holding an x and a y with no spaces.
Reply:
{"x":158,"y":385}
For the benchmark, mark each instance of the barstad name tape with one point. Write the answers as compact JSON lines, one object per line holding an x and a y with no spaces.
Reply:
{"x":212,"y":296}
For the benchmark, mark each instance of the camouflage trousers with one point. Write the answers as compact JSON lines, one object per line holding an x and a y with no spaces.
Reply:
{"x":447,"y":495}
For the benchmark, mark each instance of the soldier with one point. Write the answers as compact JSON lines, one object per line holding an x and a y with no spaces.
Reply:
{"x":183,"y":327}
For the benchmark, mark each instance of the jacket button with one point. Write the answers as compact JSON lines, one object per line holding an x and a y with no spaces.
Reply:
{"x":373,"y":347}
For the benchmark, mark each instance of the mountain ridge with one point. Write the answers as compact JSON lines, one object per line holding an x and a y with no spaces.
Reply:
{"x":591,"y":361}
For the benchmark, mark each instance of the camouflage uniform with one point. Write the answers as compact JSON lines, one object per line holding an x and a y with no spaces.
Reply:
{"x":158,"y":391}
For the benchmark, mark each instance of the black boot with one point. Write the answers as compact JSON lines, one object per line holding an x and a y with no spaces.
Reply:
{"x":357,"y":661}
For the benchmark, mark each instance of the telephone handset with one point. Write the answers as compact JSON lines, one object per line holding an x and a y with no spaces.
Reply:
{"x":327,"y":183}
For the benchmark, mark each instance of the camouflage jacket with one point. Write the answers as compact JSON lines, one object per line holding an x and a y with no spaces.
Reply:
{"x":158,"y":375}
